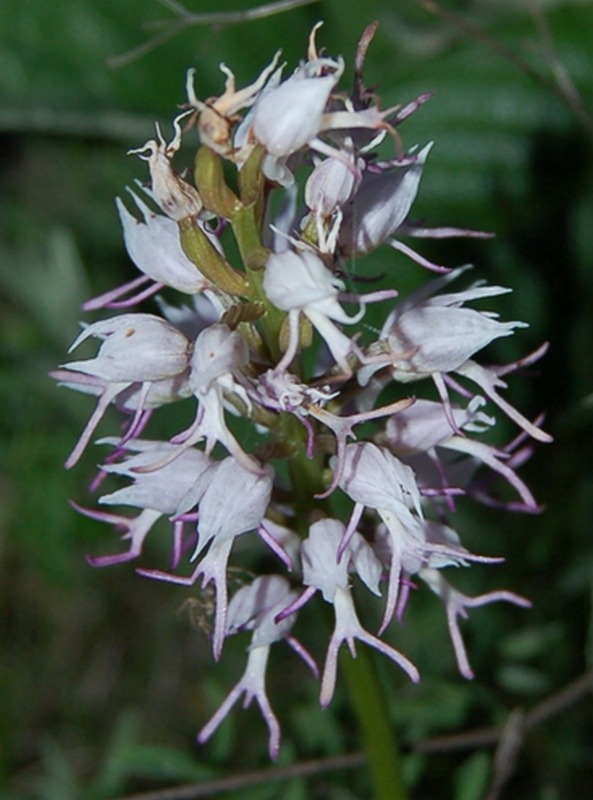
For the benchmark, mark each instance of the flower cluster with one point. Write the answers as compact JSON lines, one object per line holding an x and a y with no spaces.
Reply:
{"x":276,"y":357}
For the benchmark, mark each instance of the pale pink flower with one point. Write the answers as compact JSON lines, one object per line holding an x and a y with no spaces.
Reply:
{"x":156,"y":493}
{"x":153,"y":245}
{"x":233,"y":503}
{"x":381,"y":203}
{"x":290,"y":116}
{"x":325,"y":572}
{"x":217,"y":356}
{"x":424,"y":428}
{"x":432,"y":335}
{"x":255,"y":608}
{"x":136,"y":349}
{"x":301,"y":283}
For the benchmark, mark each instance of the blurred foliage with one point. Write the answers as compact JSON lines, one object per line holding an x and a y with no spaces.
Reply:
{"x":103,"y":679}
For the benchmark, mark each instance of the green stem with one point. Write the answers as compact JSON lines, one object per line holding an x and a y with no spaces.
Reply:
{"x":246,"y":223}
{"x":377,"y":733}
{"x":212,"y":265}
{"x":211,"y":185}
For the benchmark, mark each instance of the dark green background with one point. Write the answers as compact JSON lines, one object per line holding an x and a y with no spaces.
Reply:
{"x":102,"y":683}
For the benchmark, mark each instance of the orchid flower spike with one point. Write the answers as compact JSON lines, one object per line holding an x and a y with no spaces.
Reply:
{"x":309,"y":465}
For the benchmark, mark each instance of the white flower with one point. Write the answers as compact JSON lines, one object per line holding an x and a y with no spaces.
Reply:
{"x":218,"y":115}
{"x":300,"y":282}
{"x":424,"y":427}
{"x":430,"y":335}
{"x":332,"y":183}
{"x":153,"y":245}
{"x":439,"y":334}
{"x":136,"y":349}
{"x":381,"y":204}
{"x":323,"y":570}
{"x":290,"y":116}
{"x":161,"y":489}
{"x":374,"y":478}
{"x":218,"y":352}
{"x":232,"y":501}
{"x":157,"y":493}
{"x":255,"y":607}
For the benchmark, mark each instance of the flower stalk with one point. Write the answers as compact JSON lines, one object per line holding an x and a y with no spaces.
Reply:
{"x":376,"y":729}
